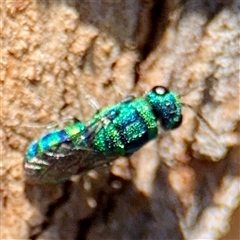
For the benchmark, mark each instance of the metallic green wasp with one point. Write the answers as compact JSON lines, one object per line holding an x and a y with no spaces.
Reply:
{"x":114,"y":131}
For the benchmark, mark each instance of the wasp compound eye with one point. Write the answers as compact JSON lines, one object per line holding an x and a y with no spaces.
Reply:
{"x":159,"y":90}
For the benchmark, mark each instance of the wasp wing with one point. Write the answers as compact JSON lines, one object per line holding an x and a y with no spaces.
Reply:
{"x":55,"y":167}
{"x":70,"y":157}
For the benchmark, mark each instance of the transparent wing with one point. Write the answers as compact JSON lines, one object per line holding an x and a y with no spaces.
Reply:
{"x":67,"y":159}
{"x":55,"y":167}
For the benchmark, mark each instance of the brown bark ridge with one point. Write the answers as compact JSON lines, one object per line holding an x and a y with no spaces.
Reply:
{"x":183,"y":185}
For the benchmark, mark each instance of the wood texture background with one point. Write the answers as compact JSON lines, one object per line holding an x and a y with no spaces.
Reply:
{"x":184,"y":185}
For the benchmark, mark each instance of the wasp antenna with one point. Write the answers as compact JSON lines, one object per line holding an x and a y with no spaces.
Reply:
{"x":188,"y":92}
{"x":200,"y":117}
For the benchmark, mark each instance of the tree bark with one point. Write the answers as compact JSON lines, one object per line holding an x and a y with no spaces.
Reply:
{"x":184,"y":184}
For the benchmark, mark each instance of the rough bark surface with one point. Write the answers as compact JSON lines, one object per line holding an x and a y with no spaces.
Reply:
{"x":183,"y":185}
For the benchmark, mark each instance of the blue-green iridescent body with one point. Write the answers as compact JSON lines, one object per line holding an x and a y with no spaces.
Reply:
{"x":117,"y":130}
